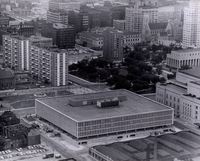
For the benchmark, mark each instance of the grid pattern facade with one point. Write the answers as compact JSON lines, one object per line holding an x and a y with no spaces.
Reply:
{"x":113,"y":45}
{"x":47,"y":64}
{"x":125,"y":123}
{"x":16,"y":52}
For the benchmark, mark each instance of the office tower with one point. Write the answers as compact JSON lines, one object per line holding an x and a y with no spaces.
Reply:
{"x":49,"y":64}
{"x":16,"y":52}
{"x":191,"y":24}
{"x":113,"y":45}
{"x":137,"y":17}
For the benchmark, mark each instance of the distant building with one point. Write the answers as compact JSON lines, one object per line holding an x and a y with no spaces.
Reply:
{"x":105,"y":116}
{"x":178,"y":58}
{"x":63,"y":35}
{"x":191,"y":24}
{"x":119,"y":24}
{"x":16,"y":52}
{"x":153,"y":30}
{"x":79,"y":20}
{"x":131,"y":38}
{"x":21,"y":11}
{"x":91,"y":40}
{"x":113,"y":45}
{"x":4,"y":22}
{"x":49,"y":64}
{"x":39,"y":40}
{"x":7,"y":79}
{"x":137,"y":17}
{"x":64,"y":5}
{"x":57,"y":16}
{"x":26,"y":30}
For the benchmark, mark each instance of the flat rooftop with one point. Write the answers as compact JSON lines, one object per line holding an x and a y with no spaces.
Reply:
{"x":195,"y":72}
{"x":177,"y":88}
{"x":188,"y":50}
{"x":134,"y":104}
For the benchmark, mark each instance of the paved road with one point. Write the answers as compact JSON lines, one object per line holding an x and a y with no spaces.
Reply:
{"x":22,"y":111}
{"x":61,"y":149}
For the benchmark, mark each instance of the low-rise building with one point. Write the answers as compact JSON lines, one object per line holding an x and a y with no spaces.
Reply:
{"x":7,"y":79}
{"x":91,"y":40}
{"x":179,"y":58}
{"x":105,"y":116}
{"x":182,"y":94}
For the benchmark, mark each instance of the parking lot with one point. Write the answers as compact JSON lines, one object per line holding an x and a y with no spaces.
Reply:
{"x":28,"y":153}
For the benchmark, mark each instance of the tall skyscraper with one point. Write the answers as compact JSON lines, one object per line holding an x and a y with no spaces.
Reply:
{"x":191,"y":24}
{"x":113,"y":45}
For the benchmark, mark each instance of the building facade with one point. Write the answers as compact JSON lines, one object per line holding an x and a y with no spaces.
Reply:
{"x":49,"y":65}
{"x":182,"y":95}
{"x":91,"y":40}
{"x":113,"y":45}
{"x":63,"y":35}
{"x":16,"y":52}
{"x":57,"y":16}
{"x":179,"y":58}
{"x":137,"y":17}
{"x":119,"y":24}
{"x":191,"y":24}
{"x":7,"y":79}
{"x":64,"y":5}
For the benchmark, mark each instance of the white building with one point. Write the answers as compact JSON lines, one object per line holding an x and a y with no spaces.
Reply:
{"x":137,"y":17}
{"x":49,"y":64}
{"x":57,"y":17}
{"x":16,"y":52}
{"x":178,"y":58}
{"x":191,"y":25}
{"x":183,"y":94}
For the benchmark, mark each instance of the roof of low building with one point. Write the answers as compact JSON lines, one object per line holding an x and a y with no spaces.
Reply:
{"x":195,"y":72}
{"x":90,"y":34}
{"x":6,"y":73}
{"x":158,"y":26}
{"x":133,"y":104}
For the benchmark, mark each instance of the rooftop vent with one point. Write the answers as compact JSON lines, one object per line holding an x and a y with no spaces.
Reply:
{"x":108,"y":102}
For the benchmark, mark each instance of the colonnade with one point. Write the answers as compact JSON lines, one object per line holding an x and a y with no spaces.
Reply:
{"x":178,"y":63}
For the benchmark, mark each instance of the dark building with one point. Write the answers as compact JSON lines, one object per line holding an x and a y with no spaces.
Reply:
{"x":7,"y":79}
{"x":26,"y":30}
{"x":4,"y":22}
{"x":107,"y":14}
{"x":113,"y":45}
{"x":63,"y":35}
{"x":15,"y":134}
{"x":94,"y":19}
{"x":6,"y":119}
{"x":79,"y":20}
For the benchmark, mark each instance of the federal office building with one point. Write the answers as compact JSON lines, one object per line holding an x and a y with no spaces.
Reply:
{"x":113,"y":115}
